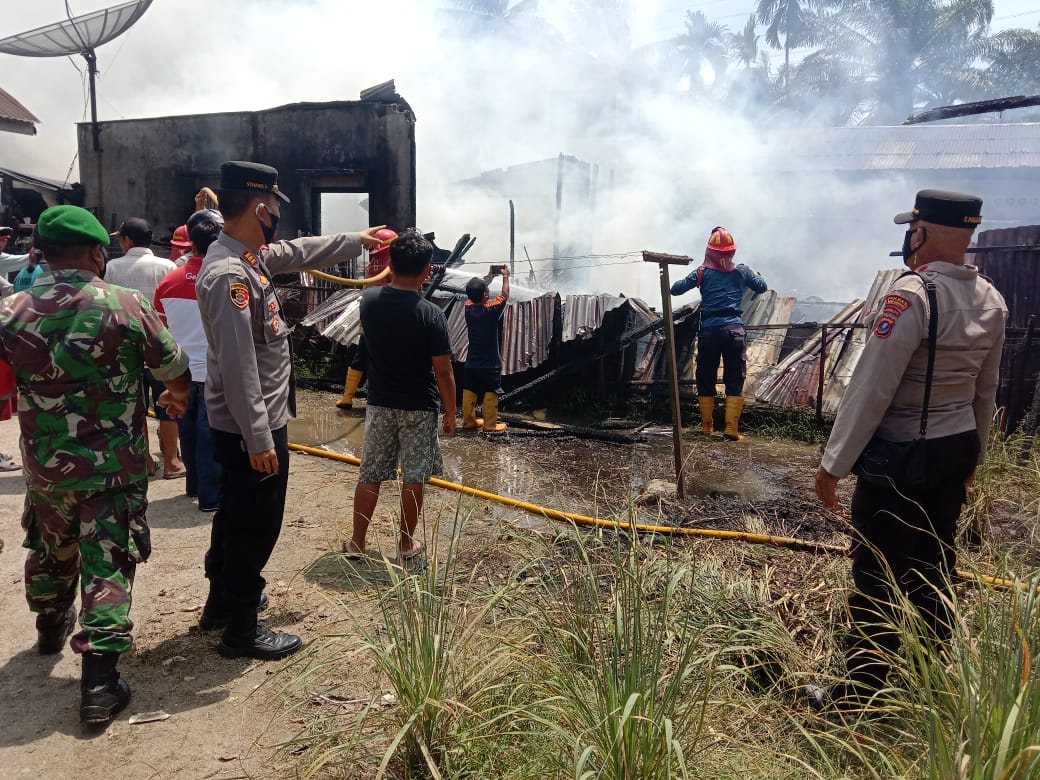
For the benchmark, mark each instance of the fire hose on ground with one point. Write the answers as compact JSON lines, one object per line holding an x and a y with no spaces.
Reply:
{"x":786,"y":542}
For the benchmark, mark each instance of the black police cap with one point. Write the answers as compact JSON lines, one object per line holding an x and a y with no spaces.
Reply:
{"x":251,"y":177}
{"x":940,"y":207}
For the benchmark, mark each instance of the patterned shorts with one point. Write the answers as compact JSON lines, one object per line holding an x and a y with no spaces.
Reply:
{"x":399,"y":437}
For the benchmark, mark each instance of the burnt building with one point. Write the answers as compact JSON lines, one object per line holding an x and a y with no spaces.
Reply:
{"x":152,"y":168}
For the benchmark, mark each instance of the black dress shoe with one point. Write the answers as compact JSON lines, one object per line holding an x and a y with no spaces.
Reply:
{"x":52,"y":630}
{"x":212,"y":621}
{"x":264,"y":644}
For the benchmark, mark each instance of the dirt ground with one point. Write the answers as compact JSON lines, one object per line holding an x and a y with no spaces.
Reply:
{"x":222,"y":723}
{"x":228,"y":718}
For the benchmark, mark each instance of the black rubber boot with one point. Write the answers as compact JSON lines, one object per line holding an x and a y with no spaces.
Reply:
{"x":52,"y":630}
{"x":103,"y":690}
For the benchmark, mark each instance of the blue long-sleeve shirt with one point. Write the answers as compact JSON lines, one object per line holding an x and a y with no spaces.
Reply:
{"x":721,"y":293}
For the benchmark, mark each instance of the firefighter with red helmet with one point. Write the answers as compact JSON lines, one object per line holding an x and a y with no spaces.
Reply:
{"x":722,"y":335}
{"x":378,"y":262}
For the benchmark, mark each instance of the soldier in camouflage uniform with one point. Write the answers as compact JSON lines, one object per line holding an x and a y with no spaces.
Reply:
{"x":79,"y":347}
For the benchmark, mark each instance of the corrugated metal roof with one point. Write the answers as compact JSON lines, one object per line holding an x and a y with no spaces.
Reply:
{"x":11,"y":111}
{"x":913,"y":147}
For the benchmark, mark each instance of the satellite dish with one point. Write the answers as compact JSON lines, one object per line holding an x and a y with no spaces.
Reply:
{"x":79,"y":35}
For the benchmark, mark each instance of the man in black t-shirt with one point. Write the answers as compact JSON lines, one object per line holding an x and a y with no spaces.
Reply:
{"x":409,"y":376}
{"x":483,"y":382}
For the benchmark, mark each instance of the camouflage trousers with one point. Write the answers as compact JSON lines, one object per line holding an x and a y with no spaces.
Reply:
{"x":94,"y":539}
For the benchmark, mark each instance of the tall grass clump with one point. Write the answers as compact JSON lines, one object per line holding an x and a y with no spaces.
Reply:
{"x":978,"y":714}
{"x":1007,"y":483}
{"x":966,"y":709}
{"x":619,"y":672}
{"x":450,"y":666}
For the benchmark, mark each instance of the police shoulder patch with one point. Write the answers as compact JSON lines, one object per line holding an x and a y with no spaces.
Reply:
{"x":239,"y":294}
{"x":883,"y":326}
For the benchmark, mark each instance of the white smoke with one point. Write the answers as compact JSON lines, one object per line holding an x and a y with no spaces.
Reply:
{"x":669,"y":168}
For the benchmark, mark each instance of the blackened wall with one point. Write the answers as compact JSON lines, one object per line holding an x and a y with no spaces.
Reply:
{"x":152,"y":168}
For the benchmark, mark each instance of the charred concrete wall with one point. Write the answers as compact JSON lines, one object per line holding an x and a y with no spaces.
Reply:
{"x":152,"y":168}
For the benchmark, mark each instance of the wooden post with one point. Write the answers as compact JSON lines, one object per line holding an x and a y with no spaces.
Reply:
{"x":823,"y":368}
{"x":663,"y":261}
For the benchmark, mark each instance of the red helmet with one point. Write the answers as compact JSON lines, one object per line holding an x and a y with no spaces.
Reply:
{"x":386,"y":235}
{"x":180,"y":238}
{"x":721,"y":240}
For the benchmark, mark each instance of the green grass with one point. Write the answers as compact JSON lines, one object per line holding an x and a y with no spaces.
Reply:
{"x":603,"y":657}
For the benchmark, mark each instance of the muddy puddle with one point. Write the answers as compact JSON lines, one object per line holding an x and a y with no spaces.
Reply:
{"x":575,"y":475}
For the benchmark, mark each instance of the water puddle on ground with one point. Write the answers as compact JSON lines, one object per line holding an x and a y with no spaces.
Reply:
{"x":574,"y":475}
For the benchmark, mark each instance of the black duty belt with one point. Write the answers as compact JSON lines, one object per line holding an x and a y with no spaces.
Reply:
{"x":721,"y":313}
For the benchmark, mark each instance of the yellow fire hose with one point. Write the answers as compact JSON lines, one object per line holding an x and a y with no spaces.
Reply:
{"x":379,"y":278}
{"x":616,"y":525}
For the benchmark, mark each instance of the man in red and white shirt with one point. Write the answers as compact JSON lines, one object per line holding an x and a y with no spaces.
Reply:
{"x":176,"y":302}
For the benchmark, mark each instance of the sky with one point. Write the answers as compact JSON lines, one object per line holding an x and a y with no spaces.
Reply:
{"x":196,"y":56}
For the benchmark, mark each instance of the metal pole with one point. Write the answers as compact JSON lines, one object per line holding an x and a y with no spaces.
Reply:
{"x":823,"y":370}
{"x":673,"y":379}
{"x":512,"y":238}
{"x":559,"y":207}
{"x":91,"y":59}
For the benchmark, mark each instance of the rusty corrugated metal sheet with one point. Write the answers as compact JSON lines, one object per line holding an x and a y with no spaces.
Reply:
{"x":795,"y":380}
{"x":583,"y":314}
{"x":763,"y":346}
{"x":1016,"y":274}
{"x":527,"y":333}
{"x":457,"y":331}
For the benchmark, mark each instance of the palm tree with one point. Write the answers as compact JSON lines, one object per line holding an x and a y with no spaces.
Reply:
{"x":896,"y":55}
{"x":790,"y":19}
{"x":1012,"y":57}
{"x":743,"y":45}
{"x":752,"y":85}
{"x":494,"y":16}
{"x":703,"y":43}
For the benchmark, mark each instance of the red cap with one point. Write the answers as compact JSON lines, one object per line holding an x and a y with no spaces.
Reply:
{"x":180,"y":238}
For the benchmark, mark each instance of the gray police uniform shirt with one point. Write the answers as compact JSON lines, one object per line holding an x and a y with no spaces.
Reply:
{"x":247,"y":359}
{"x":886,"y":391}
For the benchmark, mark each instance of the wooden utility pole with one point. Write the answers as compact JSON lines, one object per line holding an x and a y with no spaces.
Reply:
{"x":663,"y":261}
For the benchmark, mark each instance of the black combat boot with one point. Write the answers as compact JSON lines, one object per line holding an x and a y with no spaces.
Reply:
{"x":258,"y":642}
{"x":104,"y":691}
{"x":213,"y":617}
{"x":52,"y":630}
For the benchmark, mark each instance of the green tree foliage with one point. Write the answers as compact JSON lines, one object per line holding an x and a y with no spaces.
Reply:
{"x":895,"y":56}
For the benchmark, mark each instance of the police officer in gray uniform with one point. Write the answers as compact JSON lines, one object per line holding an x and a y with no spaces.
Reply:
{"x":905,"y":529}
{"x":250,"y":395}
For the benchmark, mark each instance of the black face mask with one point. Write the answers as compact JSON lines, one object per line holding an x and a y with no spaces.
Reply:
{"x":270,"y":231}
{"x":907,"y":251}
{"x":104,"y":263}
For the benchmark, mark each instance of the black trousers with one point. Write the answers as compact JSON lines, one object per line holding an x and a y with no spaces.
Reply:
{"x":245,"y":528}
{"x":360,"y":360}
{"x":727,"y":344}
{"x":905,"y":535}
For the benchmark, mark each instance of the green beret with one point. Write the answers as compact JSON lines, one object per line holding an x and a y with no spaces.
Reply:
{"x":71,"y":225}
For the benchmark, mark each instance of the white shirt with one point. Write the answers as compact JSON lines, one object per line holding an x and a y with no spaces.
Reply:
{"x":139,"y":270}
